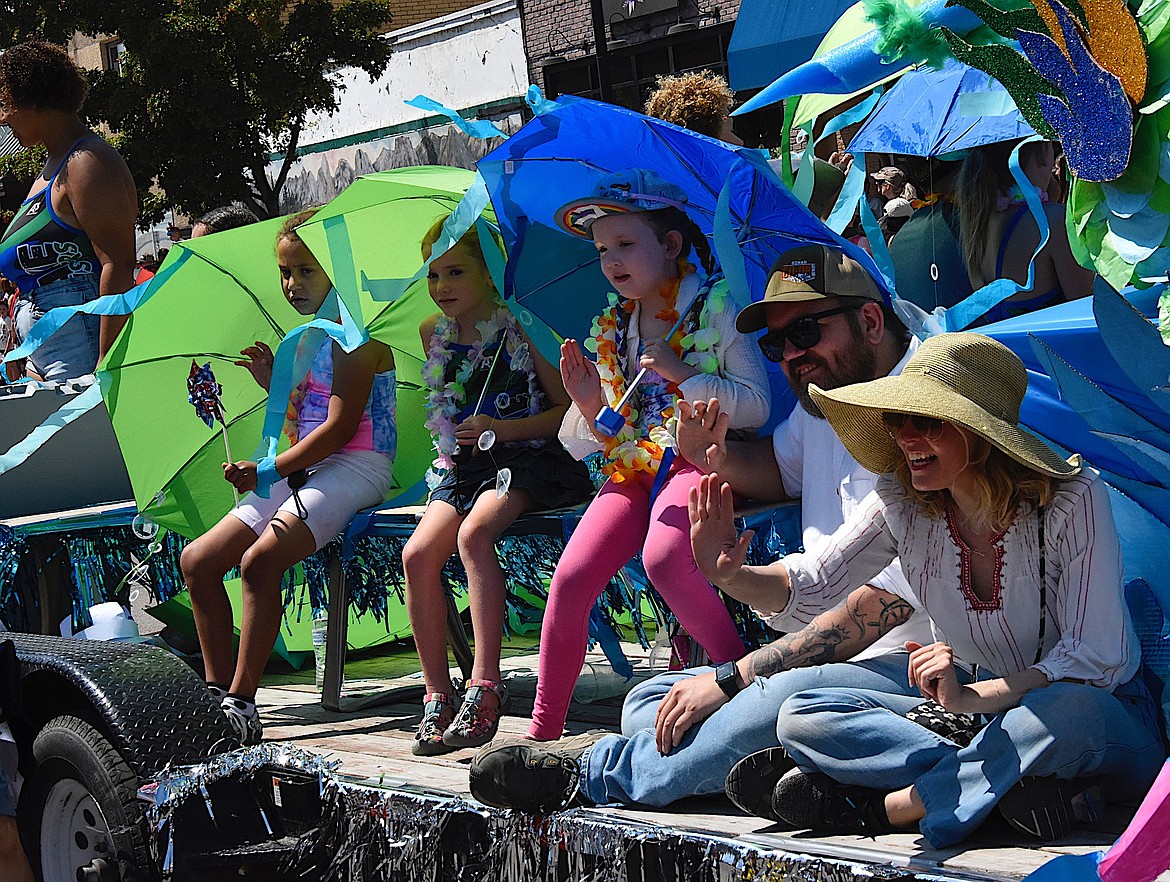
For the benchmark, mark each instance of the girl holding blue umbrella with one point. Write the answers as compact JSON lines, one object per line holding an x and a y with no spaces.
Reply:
{"x":679,"y":329}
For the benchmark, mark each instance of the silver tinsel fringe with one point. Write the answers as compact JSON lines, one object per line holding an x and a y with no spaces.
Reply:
{"x":369,"y":834}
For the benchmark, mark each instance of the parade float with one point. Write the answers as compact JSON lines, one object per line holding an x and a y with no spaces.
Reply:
{"x":1092,"y":74}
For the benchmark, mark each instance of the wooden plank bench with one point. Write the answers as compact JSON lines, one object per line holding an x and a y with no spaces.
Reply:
{"x":400,"y":523}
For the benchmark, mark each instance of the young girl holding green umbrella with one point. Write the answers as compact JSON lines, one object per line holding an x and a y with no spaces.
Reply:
{"x":343,"y":433}
{"x":494,"y":406}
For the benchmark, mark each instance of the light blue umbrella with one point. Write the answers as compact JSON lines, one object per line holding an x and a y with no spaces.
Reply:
{"x":935,"y":112}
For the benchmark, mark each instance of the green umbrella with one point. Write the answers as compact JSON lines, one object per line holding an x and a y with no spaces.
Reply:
{"x":217,"y":294}
{"x":212,"y":297}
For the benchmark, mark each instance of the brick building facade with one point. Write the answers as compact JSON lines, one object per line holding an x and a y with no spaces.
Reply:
{"x":681,"y":35}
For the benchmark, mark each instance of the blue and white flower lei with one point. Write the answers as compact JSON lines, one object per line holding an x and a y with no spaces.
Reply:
{"x":444,"y":399}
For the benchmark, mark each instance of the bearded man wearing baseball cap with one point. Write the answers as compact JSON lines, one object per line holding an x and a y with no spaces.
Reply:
{"x":682,"y":732}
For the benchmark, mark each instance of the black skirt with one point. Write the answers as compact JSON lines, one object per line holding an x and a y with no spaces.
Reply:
{"x":554,"y":478}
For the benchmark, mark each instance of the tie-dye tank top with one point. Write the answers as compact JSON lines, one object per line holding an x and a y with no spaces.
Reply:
{"x":377,"y":431}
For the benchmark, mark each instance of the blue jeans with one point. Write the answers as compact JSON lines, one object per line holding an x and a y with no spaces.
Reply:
{"x":73,"y":350}
{"x":860,"y":736}
{"x":628,"y":768}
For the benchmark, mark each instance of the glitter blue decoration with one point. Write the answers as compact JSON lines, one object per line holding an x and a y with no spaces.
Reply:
{"x":1095,"y":122}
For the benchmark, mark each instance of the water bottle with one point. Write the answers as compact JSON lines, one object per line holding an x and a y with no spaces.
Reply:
{"x":320,"y":636}
{"x":597,"y":681}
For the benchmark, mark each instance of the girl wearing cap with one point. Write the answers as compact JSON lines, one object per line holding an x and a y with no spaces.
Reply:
{"x":643,"y":239}
{"x":1012,"y":552}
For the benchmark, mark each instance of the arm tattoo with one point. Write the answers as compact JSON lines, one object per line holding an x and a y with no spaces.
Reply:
{"x":836,"y":635}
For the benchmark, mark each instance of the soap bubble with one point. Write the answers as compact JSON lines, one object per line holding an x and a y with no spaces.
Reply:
{"x":503,"y":482}
{"x":143,"y":527}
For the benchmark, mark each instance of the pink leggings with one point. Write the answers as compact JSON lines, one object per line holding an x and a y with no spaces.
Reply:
{"x":616,"y":524}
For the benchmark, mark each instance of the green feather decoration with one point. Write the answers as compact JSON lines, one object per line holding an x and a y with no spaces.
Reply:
{"x":903,"y":36}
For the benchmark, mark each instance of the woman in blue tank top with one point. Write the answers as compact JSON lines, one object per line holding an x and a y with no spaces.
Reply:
{"x":73,"y":238}
{"x":999,"y":236}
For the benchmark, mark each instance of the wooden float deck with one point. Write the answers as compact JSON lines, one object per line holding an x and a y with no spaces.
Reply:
{"x":373,"y":746}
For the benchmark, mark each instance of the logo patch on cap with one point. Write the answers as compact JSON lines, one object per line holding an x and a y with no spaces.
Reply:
{"x":798,"y":271}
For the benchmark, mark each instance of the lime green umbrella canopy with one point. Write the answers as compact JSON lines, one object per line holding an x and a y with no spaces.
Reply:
{"x":217,"y":294}
{"x":212,"y":297}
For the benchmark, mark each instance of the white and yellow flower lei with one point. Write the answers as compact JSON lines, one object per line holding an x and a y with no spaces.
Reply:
{"x":444,"y":399}
{"x":629,"y":452}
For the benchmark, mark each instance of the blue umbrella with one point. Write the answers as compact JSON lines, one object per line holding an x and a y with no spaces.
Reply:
{"x":562,"y":153}
{"x":935,"y":112}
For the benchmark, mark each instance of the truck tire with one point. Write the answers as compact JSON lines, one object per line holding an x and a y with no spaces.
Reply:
{"x":80,"y":806}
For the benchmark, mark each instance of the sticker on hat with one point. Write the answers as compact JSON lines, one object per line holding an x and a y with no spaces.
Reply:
{"x":799,"y":271}
{"x":634,"y":189}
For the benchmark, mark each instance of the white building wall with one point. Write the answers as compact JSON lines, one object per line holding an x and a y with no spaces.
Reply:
{"x":468,"y":58}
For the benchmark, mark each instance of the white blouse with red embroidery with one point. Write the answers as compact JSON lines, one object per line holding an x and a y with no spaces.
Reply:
{"x":1089,"y":634}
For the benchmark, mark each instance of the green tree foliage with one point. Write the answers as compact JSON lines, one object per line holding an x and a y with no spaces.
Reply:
{"x":210,"y":90}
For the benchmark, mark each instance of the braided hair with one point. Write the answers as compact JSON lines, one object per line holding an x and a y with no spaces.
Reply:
{"x":663,"y":220}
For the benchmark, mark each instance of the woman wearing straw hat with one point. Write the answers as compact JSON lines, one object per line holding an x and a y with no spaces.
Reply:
{"x":1012,"y":552}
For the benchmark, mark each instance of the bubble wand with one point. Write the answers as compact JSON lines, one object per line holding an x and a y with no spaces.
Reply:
{"x":487,"y":438}
{"x":609,"y":420}
{"x":205,"y":394}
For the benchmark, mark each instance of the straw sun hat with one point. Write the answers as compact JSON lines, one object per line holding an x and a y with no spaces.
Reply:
{"x":966,"y":379}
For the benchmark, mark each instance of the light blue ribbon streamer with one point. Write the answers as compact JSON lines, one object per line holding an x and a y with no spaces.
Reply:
{"x":112,"y":304}
{"x":348,"y":334}
{"x":77,"y":407}
{"x":989,"y":296}
{"x":853,"y":190}
{"x":877,"y":241}
{"x":851,"y":196}
{"x":727,"y":245}
{"x":465,"y":215}
{"x":538,"y":103}
{"x":475,"y":128}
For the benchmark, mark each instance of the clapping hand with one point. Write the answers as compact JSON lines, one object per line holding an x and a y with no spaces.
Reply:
{"x":258,"y":359}
{"x":581,"y":379}
{"x":702,"y":434}
{"x":719,"y":553}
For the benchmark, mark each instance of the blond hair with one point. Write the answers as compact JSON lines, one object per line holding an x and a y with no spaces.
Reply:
{"x":698,"y":101}
{"x":1002,"y":485}
{"x":469,"y":239}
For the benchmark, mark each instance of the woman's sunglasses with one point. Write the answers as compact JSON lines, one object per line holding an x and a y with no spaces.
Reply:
{"x":805,"y":333}
{"x":928,"y":427}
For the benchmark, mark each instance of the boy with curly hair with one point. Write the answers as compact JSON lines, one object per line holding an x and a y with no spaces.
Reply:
{"x":700,"y":101}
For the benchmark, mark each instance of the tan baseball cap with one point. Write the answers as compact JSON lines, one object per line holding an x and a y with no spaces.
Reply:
{"x":809,"y":272}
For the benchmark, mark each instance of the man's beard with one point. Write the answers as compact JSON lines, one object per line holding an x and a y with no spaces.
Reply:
{"x":858,"y":364}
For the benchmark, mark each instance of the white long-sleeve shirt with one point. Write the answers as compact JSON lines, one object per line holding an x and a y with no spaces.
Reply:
{"x":1089,"y":635}
{"x":741,"y":384}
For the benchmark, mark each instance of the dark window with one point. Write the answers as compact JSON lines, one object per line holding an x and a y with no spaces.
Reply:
{"x":633,"y":69}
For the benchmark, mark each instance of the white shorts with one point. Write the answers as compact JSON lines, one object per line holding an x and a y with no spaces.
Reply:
{"x":339,"y":486}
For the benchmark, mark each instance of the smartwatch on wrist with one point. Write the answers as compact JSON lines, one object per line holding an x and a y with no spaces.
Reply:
{"x":727,"y":679}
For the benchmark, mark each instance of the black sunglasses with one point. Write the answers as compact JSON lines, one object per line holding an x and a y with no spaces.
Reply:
{"x":928,"y":427}
{"x":805,"y":333}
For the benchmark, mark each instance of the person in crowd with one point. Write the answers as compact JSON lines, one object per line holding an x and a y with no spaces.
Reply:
{"x":224,"y":217}
{"x":700,"y":101}
{"x":343,"y":435}
{"x":73,"y":238}
{"x":494,"y":403}
{"x":929,"y":269}
{"x":142,"y":269}
{"x":1012,"y":552}
{"x":1000,"y":236}
{"x":896,"y":195}
{"x":683,"y":731}
{"x":669,"y":332}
